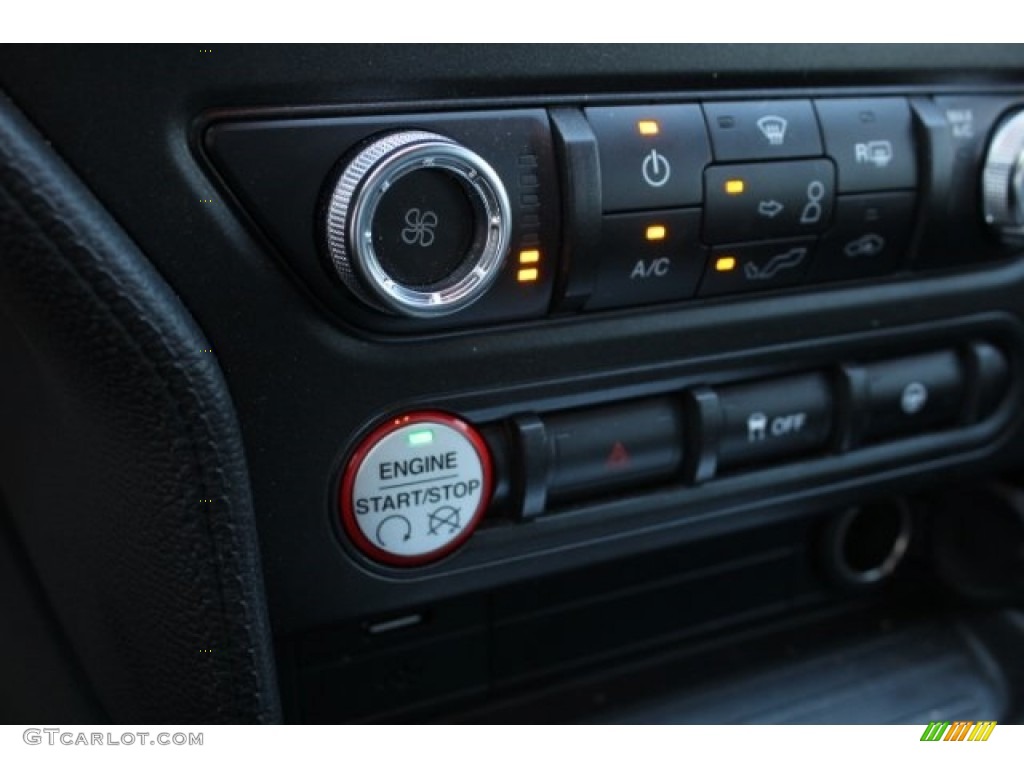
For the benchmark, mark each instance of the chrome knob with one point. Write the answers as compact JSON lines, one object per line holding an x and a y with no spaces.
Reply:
{"x":417,"y":224}
{"x":1002,"y":183}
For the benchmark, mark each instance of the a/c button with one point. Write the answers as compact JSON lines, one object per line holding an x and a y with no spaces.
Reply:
{"x":648,"y":258}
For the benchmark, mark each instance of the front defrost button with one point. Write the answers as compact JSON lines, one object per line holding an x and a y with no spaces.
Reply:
{"x":762,"y":130}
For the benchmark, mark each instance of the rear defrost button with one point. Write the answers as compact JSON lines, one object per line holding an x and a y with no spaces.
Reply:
{"x":871,"y":141}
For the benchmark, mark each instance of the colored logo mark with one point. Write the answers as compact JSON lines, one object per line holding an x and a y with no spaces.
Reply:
{"x":961,"y":730}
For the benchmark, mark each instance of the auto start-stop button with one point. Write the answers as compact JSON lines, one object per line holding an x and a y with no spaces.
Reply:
{"x":415,"y":488}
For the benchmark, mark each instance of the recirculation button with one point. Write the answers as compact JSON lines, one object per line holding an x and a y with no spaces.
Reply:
{"x":415,"y":488}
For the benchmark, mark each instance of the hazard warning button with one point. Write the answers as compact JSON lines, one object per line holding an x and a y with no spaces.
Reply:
{"x":620,"y":447}
{"x":415,"y":488}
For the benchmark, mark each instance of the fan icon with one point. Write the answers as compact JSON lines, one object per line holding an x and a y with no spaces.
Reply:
{"x":420,"y":229}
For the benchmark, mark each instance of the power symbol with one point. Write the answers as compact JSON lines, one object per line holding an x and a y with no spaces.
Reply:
{"x":656,"y":169}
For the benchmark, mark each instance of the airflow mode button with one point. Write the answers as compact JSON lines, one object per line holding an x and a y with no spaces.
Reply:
{"x":757,"y":266}
{"x":759,"y":201}
{"x":416,"y":488}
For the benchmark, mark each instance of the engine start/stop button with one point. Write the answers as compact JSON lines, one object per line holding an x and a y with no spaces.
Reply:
{"x":415,"y":488}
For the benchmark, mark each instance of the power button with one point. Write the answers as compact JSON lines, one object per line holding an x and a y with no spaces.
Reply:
{"x":651,"y":157}
{"x":415,"y":488}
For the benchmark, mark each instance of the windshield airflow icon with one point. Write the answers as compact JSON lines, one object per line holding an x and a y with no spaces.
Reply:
{"x":773,"y":128}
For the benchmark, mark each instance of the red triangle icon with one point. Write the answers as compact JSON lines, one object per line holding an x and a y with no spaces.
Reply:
{"x":618,"y":458}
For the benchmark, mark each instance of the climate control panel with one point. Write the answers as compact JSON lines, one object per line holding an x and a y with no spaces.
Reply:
{"x":444,"y":219}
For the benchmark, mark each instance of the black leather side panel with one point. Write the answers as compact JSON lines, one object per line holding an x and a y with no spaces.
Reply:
{"x":121,"y":459}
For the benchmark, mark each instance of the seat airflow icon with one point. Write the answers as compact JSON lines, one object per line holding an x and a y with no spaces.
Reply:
{"x":792,"y":258}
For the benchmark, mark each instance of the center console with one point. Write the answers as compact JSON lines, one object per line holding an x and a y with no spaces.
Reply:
{"x":627,"y":348}
{"x":413,"y":227}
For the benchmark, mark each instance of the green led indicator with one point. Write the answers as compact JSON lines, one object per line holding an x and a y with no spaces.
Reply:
{"x":421,"y":437}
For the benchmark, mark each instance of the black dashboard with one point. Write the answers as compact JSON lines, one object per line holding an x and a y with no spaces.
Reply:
{"x":531,"y":383}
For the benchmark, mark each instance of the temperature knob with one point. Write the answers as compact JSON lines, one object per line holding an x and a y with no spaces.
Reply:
{"x":417,"y":224}
{"x":1003,"y":180}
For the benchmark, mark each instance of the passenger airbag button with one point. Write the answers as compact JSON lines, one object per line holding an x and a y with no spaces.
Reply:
{"x":913,"y":395}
